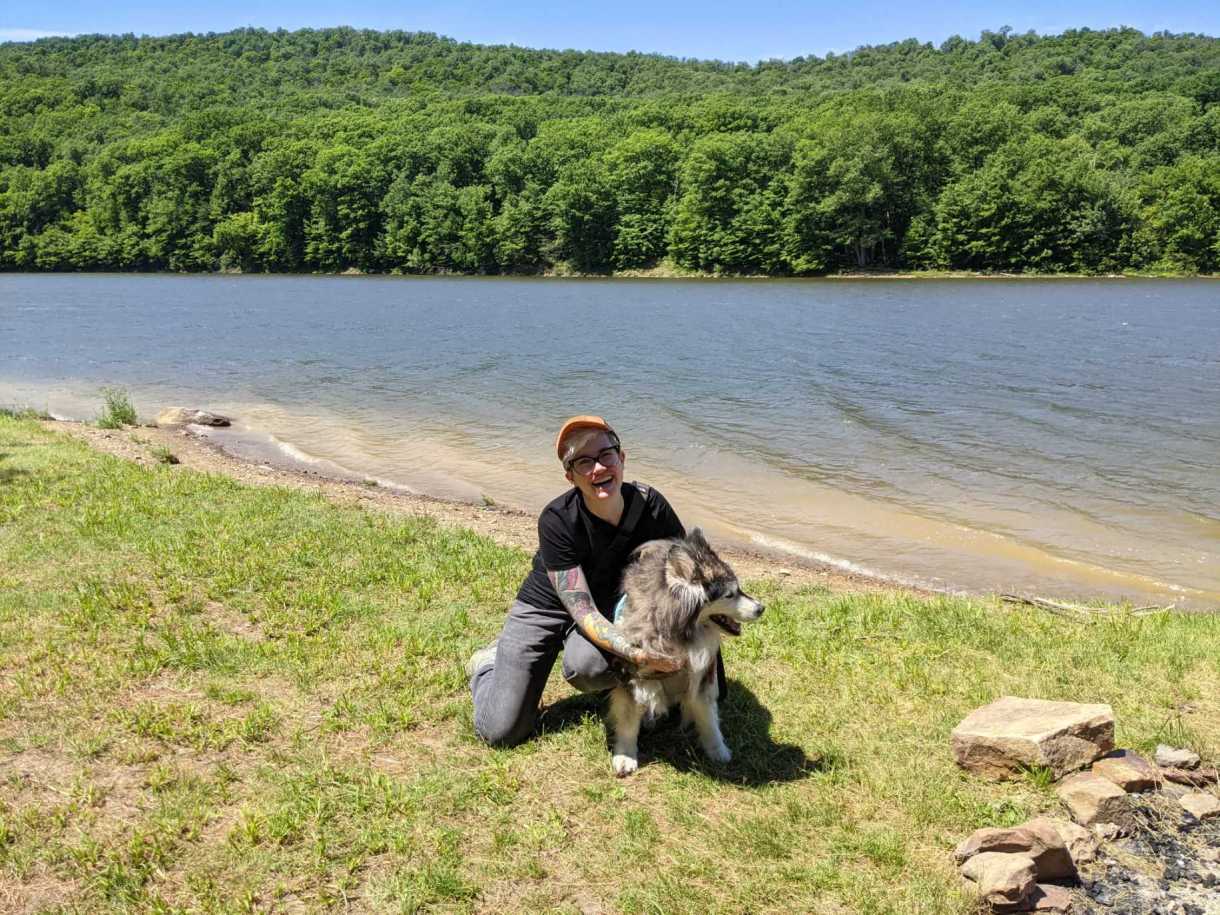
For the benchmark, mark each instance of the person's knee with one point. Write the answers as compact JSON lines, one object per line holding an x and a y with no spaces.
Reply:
{"x":586,"y":668}
{"x":503,"y":731}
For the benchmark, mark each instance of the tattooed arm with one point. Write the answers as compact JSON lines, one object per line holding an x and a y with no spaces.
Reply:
{"x":574,"y":594}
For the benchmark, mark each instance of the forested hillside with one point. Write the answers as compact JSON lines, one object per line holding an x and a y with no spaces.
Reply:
{"x":391,"y":151}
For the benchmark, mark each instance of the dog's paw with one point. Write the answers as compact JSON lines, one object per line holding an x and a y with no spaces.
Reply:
{"x":624,"y":765}
{"x":719,"y":753}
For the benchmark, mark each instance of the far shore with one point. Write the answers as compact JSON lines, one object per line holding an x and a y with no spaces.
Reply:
{"x":666,"y":271}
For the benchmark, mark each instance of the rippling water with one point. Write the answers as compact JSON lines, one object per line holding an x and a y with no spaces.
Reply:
{"x":1055,"y":436}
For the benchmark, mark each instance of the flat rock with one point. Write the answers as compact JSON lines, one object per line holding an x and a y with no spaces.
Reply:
{"x":1128,"y":770}
{"x":1047,"y":897}
{"x":1003,"y":879}
{"x":1092,"y":800}
{"x":183,"y":416}
{"x":1176,"y":758}
{"x":998,"y":740}
{"x":1201,"y":805}
{"x":1080,"y":843}
{"x":1038,"y":840}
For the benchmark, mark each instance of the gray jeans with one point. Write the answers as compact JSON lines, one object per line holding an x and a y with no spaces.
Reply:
{"x":506,"y":693}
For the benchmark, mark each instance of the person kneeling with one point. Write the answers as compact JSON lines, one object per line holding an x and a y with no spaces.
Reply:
{"x":585,"y":538}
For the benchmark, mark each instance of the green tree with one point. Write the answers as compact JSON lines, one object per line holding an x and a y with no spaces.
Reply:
{"x":31,"y":201}
{"x":431,"y":226}
{"x":238,"y":241}
{"x":582,"y":215}
{"x":856,"y":186}
{"x":344,"y":187}
{"x":281,"y":202}
{"x":728,"y":215}
{"x":642,"y":175}
{"x":1180,"y":216}
{"x":1038,"y":204}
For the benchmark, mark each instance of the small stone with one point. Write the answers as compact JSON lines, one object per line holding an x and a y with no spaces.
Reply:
{"x":1107,"y":831}
{"x":1198,"y":779}
{"x":1010,"y":734}
{"x":1003,"y":879}
{"x":1092,"y":799}
{"x":1038,"y":839}
{"x":1169,"y":789}
{"x":1047,"y":897}
{"x":1175,"y":758}
{"x":1201,"y":805}
{"x":1128,"y":770}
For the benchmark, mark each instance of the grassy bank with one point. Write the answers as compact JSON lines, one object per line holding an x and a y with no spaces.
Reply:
{"x":221,"y":698}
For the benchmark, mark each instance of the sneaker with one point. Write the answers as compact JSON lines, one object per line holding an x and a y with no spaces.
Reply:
{"x":484,"y":657}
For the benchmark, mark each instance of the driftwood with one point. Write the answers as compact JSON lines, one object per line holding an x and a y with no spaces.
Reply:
{"x":1077,"y":611}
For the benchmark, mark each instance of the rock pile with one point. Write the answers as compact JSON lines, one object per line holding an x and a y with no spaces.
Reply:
{"x":1159,"y":811}
{"x":1014,"y":868}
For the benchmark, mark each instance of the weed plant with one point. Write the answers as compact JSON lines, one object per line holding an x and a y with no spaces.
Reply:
{"x":117,"y":411}
{"x":222,"y":698}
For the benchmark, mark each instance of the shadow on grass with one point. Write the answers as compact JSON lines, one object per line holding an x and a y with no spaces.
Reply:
{"x":746,"y":723}
{"x":8,"y":474}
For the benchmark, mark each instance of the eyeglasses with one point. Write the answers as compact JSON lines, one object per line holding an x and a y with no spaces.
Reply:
{"x":607,"y":457}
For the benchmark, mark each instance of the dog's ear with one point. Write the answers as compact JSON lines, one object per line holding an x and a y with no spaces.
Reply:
{"x":679,"y":566}
{"x":689,"y":594}
{"x":696,"y":539}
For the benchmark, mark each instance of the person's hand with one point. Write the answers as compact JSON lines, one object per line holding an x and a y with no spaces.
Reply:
{"x":653,"y":666}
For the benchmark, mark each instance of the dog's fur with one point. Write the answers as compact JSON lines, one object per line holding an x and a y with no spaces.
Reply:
{"x":681,"y":597}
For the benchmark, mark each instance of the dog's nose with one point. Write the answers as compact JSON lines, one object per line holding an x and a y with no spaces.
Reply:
{"x":761,"y":608}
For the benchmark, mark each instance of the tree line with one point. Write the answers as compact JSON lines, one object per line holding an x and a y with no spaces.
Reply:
{"x":335,"y":149}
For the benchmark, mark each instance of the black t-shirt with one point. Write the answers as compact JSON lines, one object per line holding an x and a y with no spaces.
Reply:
{"x":569,"y":535}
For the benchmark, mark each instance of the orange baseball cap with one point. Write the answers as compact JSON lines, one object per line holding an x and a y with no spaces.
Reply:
{"x":581,"y":422}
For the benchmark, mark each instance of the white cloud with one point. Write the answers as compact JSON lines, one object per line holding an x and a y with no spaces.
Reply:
{"x":27,"y":34}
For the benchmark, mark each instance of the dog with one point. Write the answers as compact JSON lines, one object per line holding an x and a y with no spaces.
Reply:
{"x":680,"y":599}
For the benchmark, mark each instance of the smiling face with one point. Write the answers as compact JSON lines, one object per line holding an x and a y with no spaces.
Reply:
{"x":602,"y":482}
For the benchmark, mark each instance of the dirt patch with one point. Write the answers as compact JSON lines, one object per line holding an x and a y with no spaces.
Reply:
{"x":40,"y":893}
{"x":233,"y":622}
{"x":37,"y":777}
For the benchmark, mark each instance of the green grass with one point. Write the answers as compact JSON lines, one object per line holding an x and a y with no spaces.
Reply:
{"x":23,"y":413}
{"x":219,"y":698}
{"x":117,"y":410}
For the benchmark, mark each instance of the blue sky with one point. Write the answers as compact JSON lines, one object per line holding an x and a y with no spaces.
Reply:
{"x":729,"y":31}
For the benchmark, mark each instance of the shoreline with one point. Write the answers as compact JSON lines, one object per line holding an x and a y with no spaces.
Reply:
{"x":507,"y":526}
{"x":511,"y":526}
{"x":659,"y":272}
